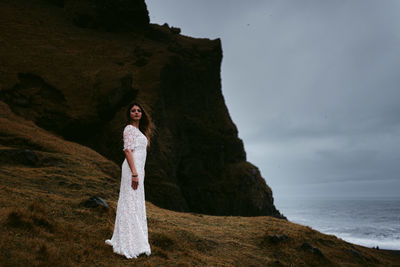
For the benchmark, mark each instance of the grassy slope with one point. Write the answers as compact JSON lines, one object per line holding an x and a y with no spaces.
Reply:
{"x":43,"y":222}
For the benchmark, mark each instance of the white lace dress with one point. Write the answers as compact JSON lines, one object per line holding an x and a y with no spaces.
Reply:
{"x":130,"y":237}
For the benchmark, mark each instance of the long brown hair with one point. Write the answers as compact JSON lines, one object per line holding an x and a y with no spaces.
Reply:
{"x":146,"y":125}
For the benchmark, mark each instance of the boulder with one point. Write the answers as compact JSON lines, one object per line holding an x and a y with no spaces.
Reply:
{"x":94,"y":202}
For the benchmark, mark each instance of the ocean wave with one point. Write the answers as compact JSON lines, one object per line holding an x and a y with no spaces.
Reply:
{"x":365,"y":222}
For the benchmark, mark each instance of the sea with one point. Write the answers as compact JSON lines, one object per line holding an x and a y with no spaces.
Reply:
{"x":370,"y":222}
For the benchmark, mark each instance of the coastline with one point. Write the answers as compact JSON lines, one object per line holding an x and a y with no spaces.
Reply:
{"x":357,"y":221}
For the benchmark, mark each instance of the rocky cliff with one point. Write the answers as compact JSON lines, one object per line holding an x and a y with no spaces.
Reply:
{"x":72,"y":67}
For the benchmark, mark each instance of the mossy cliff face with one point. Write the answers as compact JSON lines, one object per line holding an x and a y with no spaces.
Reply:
{"x":72,"y":67}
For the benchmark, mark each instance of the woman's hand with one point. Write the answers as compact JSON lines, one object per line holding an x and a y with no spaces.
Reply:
{"x":135,"y":182}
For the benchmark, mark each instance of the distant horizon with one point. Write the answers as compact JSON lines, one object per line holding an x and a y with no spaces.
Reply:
{"x":336,"y":197}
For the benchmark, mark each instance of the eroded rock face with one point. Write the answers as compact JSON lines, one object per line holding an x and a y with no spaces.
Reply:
{"x":38,"y":101}
{"x":78,"y":82}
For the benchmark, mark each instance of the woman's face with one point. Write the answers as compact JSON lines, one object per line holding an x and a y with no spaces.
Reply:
{"x":136,"y":113}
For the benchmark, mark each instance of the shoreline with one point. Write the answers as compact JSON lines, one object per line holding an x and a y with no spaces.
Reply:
{"x":352,"y":230}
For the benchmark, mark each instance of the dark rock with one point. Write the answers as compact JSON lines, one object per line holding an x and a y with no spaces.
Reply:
{"x":318,"y":252}
{"x":277,"y":238}
{"x":274,"y":239}
{"x":283,"y":237}
{"x":307,"y":247}
{"x":355,"y":253}
{"x":94,"y":202}
{"x":175,"y":30}
{"x":159,"y":34}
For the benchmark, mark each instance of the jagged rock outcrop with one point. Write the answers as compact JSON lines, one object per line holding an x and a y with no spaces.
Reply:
{"x":76,"y":82}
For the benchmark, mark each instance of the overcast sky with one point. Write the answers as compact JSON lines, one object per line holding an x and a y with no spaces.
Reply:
{"x":312,"y":86}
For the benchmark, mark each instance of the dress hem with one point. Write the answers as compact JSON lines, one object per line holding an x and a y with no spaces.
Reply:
{"x":147,"y":251}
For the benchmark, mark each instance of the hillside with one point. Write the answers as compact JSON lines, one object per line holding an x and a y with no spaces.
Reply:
{"x":45,"y":181}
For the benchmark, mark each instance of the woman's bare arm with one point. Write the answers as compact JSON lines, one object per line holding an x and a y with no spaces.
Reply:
{"x":129,"y":158}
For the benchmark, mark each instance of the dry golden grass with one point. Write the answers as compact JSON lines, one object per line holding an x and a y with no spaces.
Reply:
{"x":43,"y":221}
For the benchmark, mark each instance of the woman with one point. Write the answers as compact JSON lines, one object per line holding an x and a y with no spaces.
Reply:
{"x":130,"y":237}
